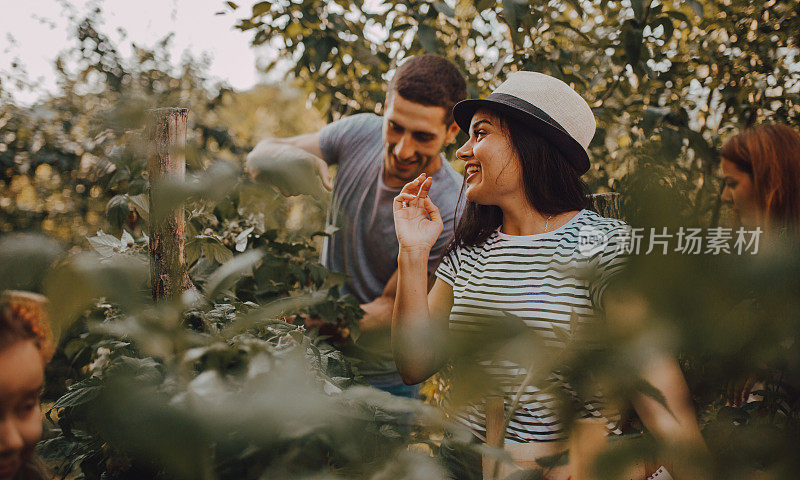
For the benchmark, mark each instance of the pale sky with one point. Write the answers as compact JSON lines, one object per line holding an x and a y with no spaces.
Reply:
{"x":35,"y":31}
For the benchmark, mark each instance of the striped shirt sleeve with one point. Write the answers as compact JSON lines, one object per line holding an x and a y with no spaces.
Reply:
{"x":448,"y":268}
{"x":610,"y":262}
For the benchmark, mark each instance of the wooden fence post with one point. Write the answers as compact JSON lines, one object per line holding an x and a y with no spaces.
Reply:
{"x":166,"y":135}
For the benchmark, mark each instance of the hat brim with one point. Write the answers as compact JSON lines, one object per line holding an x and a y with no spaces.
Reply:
{"x":541,"y":124}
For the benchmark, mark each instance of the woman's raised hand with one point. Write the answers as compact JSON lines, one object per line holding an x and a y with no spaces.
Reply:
{"x":417,"y":220}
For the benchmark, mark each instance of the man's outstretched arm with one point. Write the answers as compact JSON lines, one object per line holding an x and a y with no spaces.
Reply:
{"x":378,"y":313}
{"x":309,"y":143}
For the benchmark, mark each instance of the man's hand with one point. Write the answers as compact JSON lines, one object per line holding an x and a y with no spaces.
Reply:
{"x":324,"y":174}
{"x":336,"y":331}
{"x":292,"y":170}
{"x":377,"y":314}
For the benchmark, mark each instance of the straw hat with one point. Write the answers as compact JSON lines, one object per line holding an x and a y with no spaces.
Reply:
{"x":549,"y":106}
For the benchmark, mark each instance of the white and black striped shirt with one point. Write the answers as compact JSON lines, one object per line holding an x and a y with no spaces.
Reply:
{"x":541,"y":279}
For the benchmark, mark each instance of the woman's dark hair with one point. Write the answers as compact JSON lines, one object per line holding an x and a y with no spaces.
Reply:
{"x":552,"y":185}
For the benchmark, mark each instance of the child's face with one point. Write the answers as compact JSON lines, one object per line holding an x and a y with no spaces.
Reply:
{"x":21,"y":381}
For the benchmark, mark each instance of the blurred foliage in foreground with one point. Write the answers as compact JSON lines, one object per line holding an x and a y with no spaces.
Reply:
{"x":206,"y":385}
{"x":212,"y":385}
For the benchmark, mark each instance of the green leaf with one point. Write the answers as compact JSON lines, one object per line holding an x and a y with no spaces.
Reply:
{"x":106,"y":245}
{"x":444,"y":8}
{"x":141,"y":203}
{"x":25,"y":259}
{"x":648,"y":390}
{"x":272,"y":311}
{"x":672,"y":142}
{"x":260,"y":8}
{"x":141,"y":370}
{"x":80,"y":393}
{"x":318,"y":274}
{"x":231,"y":271}
{"x":555,"y":460}
{"x":75,"y":285}
{"x":121,"y":175}
{"x":697,"y":7}
{"x":652,"y":118}
{"x":679,"y":16}
{"x":193,"y":251}
{"x":510,"y":15}
{"x":117,"y":211}
{"x":241,"y":239}
{"x":639,"y":9}
{"x":214,"y":250}
{"x":562,"y":333}
{"x":400,"y":27}
{"x":292,"y":170}
{"x":632,"y":42}
{"x":576,"y":4}
{"x":427,"y":38}
{"x":526,"y":475}
{"x":213,"y":184}
{"x":389,"y":431}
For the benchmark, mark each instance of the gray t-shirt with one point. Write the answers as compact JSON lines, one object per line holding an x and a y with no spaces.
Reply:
{"x":365,"y":247}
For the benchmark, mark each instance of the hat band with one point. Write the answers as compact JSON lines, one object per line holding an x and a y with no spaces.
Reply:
{"x":524,"y":106}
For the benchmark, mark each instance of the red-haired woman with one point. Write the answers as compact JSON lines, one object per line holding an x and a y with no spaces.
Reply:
{"x":25,"y":347}
{"x":761,"y":169}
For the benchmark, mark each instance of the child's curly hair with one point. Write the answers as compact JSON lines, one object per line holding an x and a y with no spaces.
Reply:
{"x":23,"y":316}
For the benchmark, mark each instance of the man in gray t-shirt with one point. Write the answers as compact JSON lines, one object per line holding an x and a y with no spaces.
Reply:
{"x":376,"y":156}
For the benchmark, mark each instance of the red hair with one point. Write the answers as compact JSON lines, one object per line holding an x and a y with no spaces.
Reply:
{"x":23,"y":317}
{"x":770,"y":154}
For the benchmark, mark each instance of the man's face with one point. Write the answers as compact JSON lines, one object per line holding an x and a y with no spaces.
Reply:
{"x":413,"y":137}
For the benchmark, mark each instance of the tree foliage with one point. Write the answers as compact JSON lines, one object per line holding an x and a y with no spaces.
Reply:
{"x":679,"y":74}
{"x":61,"y":160}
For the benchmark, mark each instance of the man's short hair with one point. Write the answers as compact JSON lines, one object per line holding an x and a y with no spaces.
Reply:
{"x":430,"y":80}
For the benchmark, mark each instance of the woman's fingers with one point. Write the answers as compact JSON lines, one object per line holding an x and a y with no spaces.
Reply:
{"x":425,"y":203}
{"x":413,"y":192}
{"x":432,"y":210}
{"x":412,"y":187}
{"x":425,"y":188}
{"x":404,"y":197}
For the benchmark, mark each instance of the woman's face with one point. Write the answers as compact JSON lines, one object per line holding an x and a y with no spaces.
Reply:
{"x":21,"y":381}
{"x":739,"y":193}
{"x":491,"y":165}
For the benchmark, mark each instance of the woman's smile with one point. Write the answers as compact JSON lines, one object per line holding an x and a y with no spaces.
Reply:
{"x":473,"y":170}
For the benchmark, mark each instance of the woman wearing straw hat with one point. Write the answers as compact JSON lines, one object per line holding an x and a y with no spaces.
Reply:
{"x":516,"y":251}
